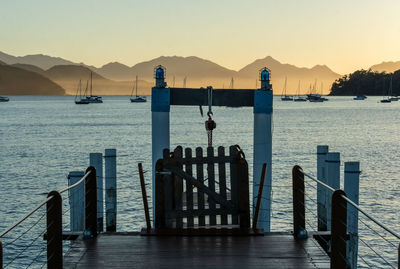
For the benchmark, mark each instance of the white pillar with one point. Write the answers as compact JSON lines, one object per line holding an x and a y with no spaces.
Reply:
{"x":322,"y":150}
{"x":332,"y":163}
{"x":111,"y":189}
{"x":351,"y":188}
{"x":160,"y":108}
{"x":96,"y":160}
{"x":263,"y":154}
{"x":76,"y":201}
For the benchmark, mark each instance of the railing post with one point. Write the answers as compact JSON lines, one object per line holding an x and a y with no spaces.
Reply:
{"x":1,"y":255}
{"x":332,"y":163}
{"x":322,"y":150}
{"x":299,"y":221}
{"x":91,"y":203}
{"x":96,"y":160}
{"x":144,"y":196}
{"x":398,"y":257}
{"x":54,"y":231}
{"x":111,"y":189}
{"x":339,"y":230}
{"x":76,"y":201}
{"x":351,"y":188}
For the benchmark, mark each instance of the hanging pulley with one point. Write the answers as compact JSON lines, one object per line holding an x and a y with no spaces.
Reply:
{"x":210,"y":123}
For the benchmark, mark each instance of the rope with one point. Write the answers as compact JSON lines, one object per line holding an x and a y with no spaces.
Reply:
{"x":25,"y":217}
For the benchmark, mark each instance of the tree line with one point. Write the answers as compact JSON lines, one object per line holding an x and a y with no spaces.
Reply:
{"x":367,"y":82}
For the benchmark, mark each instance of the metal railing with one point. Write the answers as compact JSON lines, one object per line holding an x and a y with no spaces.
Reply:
{"x":335,"y":242}
{"x":53,"y":232}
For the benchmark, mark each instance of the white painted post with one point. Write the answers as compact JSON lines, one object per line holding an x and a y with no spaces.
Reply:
{"x":332,"y":163}
{"x":322,"y":150}
{"x":96,"y":160}
{"x":76,"y":201}
{"x":111,"y":189}
{"x":351,"y":188}
{"x":160,"y":136}
{"x":263,"y":154}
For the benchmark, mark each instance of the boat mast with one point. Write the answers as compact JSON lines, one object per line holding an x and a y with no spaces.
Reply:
{"x":284,"y":87}
{"x":91,"y":75}
{"x":136,"y":86}
{"x":298,"y":89}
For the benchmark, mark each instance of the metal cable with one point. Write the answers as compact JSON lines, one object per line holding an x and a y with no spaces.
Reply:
{"x":25,"y":217}
{"x":37,"y":256}
{"x":370,"y":217}
{"x":316,"y":180}
{"x":28,"y":246}
{"x":30,"y":228}
{"x":388,"y":263}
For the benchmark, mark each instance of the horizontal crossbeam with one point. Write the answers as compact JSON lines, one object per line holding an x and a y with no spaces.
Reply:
{"x":199,"y":97}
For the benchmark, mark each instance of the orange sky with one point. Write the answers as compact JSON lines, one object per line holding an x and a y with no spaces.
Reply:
{"x":345,"y":35}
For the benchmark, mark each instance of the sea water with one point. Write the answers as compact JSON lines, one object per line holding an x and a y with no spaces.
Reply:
{"x":42,"y":138}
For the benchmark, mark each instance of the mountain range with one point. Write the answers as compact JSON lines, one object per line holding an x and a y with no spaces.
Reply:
{"x":388,"y":67}
{"x":117,"y":78}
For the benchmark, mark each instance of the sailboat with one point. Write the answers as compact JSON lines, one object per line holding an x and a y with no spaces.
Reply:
{"x":285,"y":97}
{"x":93,"y":98}
{"x":387,"y":100}
{"x":4,"y":99}
{"x":80,"y":100}
{"x":315,"y":97}
{"x":137,"y":98}
{"x":359,"y":96}
{"x":299,"y":98}
{"x":392,"y":98}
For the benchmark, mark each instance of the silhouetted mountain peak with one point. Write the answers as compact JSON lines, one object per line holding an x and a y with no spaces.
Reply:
{"x":389,"y":66}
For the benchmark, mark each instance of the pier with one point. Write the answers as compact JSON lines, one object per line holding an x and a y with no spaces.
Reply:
{"x":203,"y":213}
{"x":127,"y":250}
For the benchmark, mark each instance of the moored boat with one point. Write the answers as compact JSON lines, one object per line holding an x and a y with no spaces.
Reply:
{"x":4,"y":99}
{"x":137,"y":98}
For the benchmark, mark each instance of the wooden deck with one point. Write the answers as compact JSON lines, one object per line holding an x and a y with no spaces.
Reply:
{"x":131,"y":250}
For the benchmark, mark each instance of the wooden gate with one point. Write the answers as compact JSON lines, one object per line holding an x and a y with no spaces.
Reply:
{"x":202,"y":191}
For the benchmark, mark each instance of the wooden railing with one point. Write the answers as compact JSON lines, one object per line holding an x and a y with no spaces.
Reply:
{"x":54,"y":234}
{"x":335,"y":240}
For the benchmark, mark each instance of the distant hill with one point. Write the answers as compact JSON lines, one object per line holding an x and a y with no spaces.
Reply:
{"x":17,"y":81}
{"x":32,"y":68}
{"x":200,"y":72}
{"x":367,"y":82}
{"x":43,"y":61}
{"x":2,"y":63}
{"x":115,"y":71}
{"x":294,"y":74}
{"x":388,"y":67}
{"x":68,"y":76}
{"x":197,"y":71}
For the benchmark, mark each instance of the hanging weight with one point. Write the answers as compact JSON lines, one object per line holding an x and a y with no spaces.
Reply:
{"x":210,"y":124}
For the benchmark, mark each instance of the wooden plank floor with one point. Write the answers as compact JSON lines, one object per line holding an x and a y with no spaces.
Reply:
{"x":274,"y":250}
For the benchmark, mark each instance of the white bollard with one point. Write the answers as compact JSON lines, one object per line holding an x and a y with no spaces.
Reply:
{"x":351,"y":188}
{"x":160,"y":135}
{"x":76,"y":201}
{"x":96,"y":160}
{"x":111,"y":189}
{"x":332,"y":163}
{"x":263,"y":154}
{"x":322,"y":150}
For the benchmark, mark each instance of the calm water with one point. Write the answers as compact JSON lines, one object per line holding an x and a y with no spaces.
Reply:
{"x":43,"y":138}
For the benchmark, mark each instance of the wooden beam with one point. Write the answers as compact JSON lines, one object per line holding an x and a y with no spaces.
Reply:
{"x":200,"y":186}
{"x":199,"y":97}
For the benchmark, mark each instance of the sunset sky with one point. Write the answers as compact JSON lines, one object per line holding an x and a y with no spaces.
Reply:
{"x":345,"y":35}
